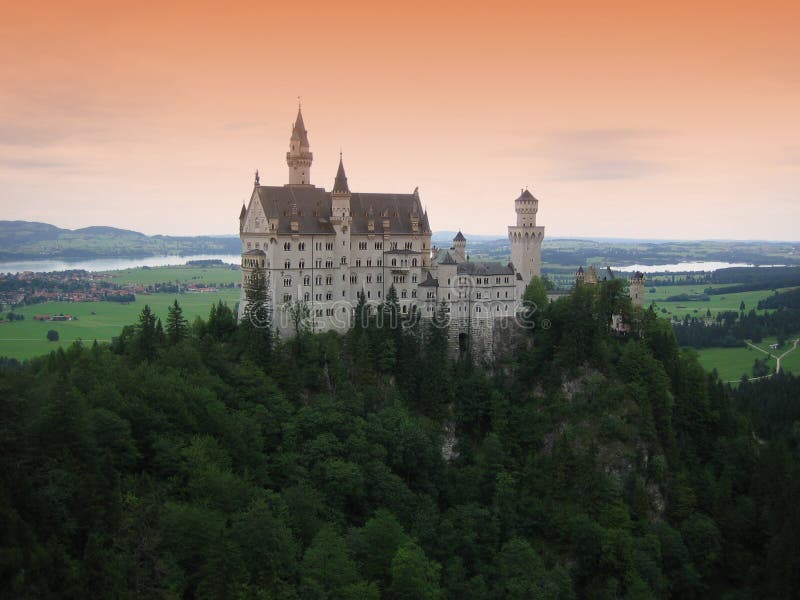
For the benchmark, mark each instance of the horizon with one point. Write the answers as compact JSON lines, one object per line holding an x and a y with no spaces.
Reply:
{"x":626,"y":121}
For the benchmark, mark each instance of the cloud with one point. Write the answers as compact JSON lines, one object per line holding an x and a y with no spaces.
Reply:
{"x":32,"y":163}
{"x":598,"y":154}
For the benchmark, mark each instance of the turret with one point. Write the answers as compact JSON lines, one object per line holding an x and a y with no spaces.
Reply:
{"x":460,"y":247}
{"x":299,"y":157}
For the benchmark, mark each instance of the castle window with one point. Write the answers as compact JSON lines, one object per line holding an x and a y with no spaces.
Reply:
{"x":287,"y":264}
{"x":307,"y":280}
{"x":477,"y":309}
{"x":329,"y":312}
{"x":358,"y":262}
{"x":369,"y":294}
{"x":353,"y":278}
{"x":307,"y":297}
{"x":328,"y":245}
{"x":319,"y":312}
{"x":413,"y":293}
{"x":380,"y":262}
{"x":362,"y":245}
{"x":379,"y":278}
{"x":329,"y":296}
{"x":287,"y":282}
{"x":404,"y":308}
{"x":319,"y":280}
{"x":479,"y":296}
{"x":249,"y":245}
{"x":301,"y":246}
{"x":287,"y":245}
{"x":344,"y":260}
{"x":287,"y":297}
{"x":409,"y":245}
{"x":413,"y":262}
{"x":329,"y":280}
{"x":413,"y":279}
{"x":318,"y":297}
{"x":369,"y":262}
{"x":379,"y":293}
{"x":378,"y":245}
{"x":318,"y":245}
{"x":403,"y":293}
{"x":394,"y":262}
{"x":506,"y":279}
{"x":506,"y":294}
{"x":256,"y":244}
{"x":393,"y":245}
{"x":302,"y":264}
{"x":328,"y":264}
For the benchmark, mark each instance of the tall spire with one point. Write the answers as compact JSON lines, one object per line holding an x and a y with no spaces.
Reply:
{"x":299,"y":132}
{"x":299,"y":157}
{"x":340,"y":183}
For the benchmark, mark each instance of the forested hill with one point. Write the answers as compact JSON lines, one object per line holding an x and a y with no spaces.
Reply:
{"x":27,"y":240}
{"x":212,"y":461}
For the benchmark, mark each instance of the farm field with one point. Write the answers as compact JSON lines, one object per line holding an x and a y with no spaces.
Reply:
{"x":731,"y":363}
{"x":183,"y":274}
{"x":103,"y":320}
{"x":698,"y":308}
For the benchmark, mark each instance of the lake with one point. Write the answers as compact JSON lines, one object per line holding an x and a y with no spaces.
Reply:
{"x":110,"y":264}
{"x":684,"y":267}
{"x":116,"y":264}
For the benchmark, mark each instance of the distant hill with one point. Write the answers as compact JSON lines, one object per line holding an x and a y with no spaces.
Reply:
{"x":23,"y":240}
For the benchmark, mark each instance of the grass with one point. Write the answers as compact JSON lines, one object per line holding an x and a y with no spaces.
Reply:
{"x":731,"y":363}
{"x":182,"y":274}
{"x":698,"y":308}
{"x":102,"y":321}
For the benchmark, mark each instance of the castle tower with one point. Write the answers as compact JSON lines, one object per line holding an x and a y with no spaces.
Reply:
{"x":299,"y":157}
{"x":460,"y":247}
{"x":526,"y":240}
{"x":636,"y":289}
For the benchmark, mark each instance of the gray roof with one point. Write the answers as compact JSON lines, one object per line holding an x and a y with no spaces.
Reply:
{"x":299,"y":130}
{"x":526,"y":195}
{"x":459,"y":237}
{"x":430,"y":281}
{"x":484,"y":268}
{"x":443,"y":257}
{"x":312,"y":206}
{"x":340,"y":183}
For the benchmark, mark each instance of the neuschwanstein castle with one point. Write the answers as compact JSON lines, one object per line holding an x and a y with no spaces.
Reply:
{"x":324,"y":248}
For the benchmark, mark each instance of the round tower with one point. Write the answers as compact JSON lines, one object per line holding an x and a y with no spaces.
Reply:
{"x":299,"y":156}
{"x":526,"y":240}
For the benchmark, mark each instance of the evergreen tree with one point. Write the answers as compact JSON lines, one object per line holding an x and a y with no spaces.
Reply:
{"x":177,"y":325}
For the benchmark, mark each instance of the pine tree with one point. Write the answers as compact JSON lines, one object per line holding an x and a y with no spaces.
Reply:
{"x":177,"y":325}
{"x":146,"y":335}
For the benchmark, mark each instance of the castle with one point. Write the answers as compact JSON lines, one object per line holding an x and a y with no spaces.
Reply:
{"x":321,"y":249}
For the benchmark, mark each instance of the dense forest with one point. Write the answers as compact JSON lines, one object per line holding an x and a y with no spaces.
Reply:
{"x":730,"y":328}
{"x":211,"y":460}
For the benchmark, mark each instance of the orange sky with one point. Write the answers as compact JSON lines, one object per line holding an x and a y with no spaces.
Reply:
{"x":626,"y":119}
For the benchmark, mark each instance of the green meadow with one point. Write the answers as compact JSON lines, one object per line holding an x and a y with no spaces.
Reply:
{"x":698,"y":308}
{"x":102,"y":321}
{"x":732,"y":363}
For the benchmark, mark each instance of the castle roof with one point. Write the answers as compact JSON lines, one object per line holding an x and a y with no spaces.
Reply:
{"x":526,"y":195}
{"x":480,"y":268}
{"x":340,"y":184}
{"x":299,"y":130}
{"x":459,"y":237}
{"x":443,"y":257}
{"x":243,"y":212}
{"x":311,"y":208}
{"x":430,"y":281}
